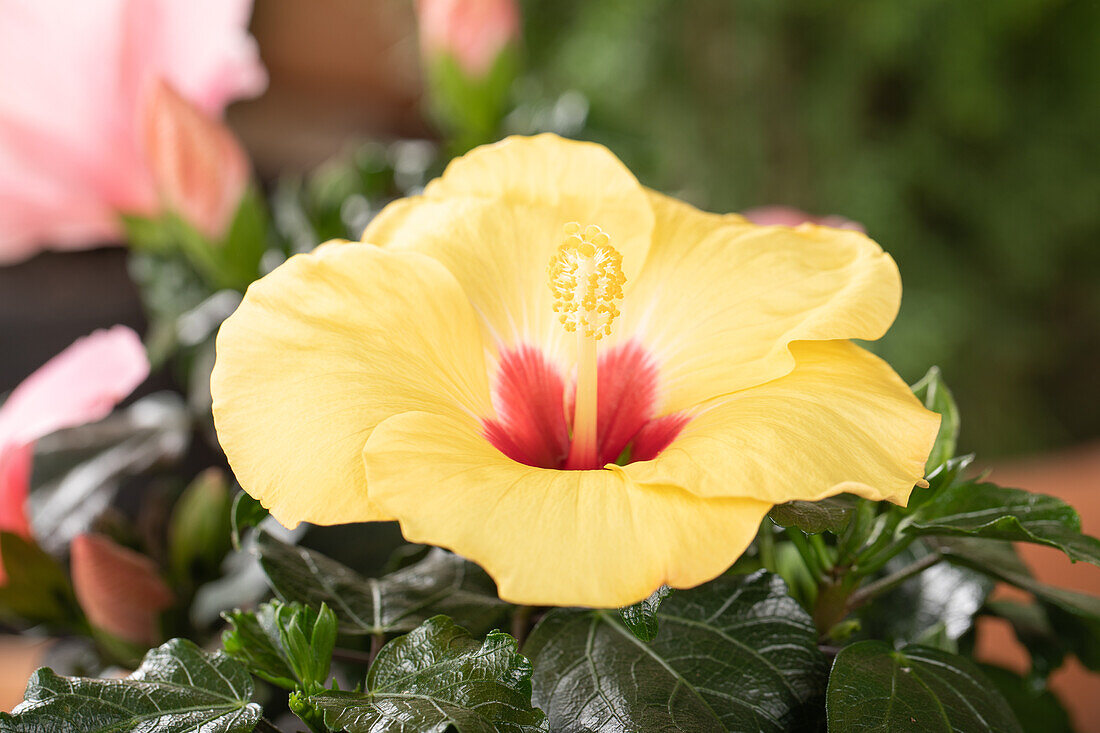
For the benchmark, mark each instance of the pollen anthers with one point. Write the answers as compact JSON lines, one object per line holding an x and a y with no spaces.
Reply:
{"x":586,"y":277}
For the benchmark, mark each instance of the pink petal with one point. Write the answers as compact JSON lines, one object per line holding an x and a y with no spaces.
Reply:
{"x":81,"y":384}
{"x":72,"y":76}
{"x":119,"y":589}
{"x":786,"y":216}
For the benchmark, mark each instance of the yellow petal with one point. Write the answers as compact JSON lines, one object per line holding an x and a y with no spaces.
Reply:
{"x":842,"y":421}
{"x":495,"y":217}
{"x":719,"y":300}
{"x":589,"y":538}
{"x":323,"y":349}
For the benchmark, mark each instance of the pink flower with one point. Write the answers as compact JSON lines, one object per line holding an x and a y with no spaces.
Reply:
{"x":786,"y":216}
{"x":73,"y":76}
{"x":473,"y":31}
{"x":119,"y":589}
{"x":198,"y":166}
{"x":81,"y":384}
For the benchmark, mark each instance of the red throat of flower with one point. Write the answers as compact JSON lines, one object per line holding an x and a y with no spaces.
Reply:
{"x":614,"y":395}
{"x":533,"y":408}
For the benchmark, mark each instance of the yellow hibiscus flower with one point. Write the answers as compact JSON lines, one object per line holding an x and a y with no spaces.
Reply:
{"x":587,"y":387}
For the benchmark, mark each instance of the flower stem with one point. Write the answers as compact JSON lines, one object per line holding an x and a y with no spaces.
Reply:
{"x":582,"y":452}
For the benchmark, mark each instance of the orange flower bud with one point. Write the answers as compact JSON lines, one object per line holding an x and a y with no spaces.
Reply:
{"x":473,"y":31}
{"x":198,"y":166}
{"x":119,"y":589}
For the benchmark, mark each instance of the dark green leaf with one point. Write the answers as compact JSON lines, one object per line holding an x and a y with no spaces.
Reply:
{"x":735,"y":654}
{"x":37,"y":588}
{"x":1033,"y":629}
{"x":1000,"y":560}
{"x":440,"y":583}
{"x":247,"y":512}
{"x":987,"y":510}
{"x":831,"y":514}
{"x":289,"y":645}
{"x":641,"y":618}
{"x":874,"y":687}
{"x":439,"y":678}
{"x":933,"y":392}
{"x":179,"y":688}
{"x":1080,"y":634}
{"x":1035,"y":709}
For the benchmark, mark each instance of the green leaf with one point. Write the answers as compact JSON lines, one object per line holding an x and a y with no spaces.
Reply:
{"x":179,"y":688}
{"x":198,"y":534}
{"x":1035,"y":709}
{"x":813,"y":517}
{"x":246,"y":513}
{"x":874,"y":687}
{"x":37,"y":588}
{"x":933,"y":392}
{"x":439,"y":678}
{"x":440,"y":583}
{"x":641,"y":618}
{"x":735,"y":654}
{"x":289,"y":645}
{"x":999,"y":560}
{"x":990,"y":511}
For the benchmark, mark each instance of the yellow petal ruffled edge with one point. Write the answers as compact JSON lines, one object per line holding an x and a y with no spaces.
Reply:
{"x":587,"y":538}
{"x":323,"y":349}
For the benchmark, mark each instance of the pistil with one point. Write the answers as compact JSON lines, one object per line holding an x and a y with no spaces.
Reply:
{"x":586,"y":278}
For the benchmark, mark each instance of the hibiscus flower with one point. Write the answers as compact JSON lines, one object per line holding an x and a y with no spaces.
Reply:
{"x":587,"y":387}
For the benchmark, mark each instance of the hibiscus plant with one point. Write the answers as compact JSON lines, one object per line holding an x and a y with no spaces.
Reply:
{"x":649,"y":480}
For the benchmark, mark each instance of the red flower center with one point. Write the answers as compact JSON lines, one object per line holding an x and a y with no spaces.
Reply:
{"x":533,"y":424}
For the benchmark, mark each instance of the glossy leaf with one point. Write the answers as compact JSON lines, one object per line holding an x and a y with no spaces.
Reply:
{"x":440,"y":583}
{"x":179,"y":688}
{"x":943,"y":598}
{"x":990,"y":511}
{"x":813,"y":517}
{"x":735,"y":654}
{"x":874,"y":687}
{"x":933,"y":392}
{"x":641,"y":618}
{"x":439,"y":678}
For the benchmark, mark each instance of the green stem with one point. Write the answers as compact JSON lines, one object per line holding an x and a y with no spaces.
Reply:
{"x":856,"y":531}
{"x":871,"y":590}
{"x":521,"y":623}
{"x":824,"y":556}
{"x":831,"y":605}
{"x":377,"y":641}
{"x":809,"y":557}
{"x":767,"y":547}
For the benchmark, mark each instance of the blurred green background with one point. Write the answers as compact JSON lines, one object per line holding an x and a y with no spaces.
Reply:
{"x":962,"y":135}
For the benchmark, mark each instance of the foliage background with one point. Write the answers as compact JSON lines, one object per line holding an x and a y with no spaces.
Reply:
{"x":961,"y":134}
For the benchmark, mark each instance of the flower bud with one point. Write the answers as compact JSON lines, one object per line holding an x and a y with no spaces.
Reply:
{"x":119,"y":589}
{"x":199,"y":168}
{"x":474,"y":32}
